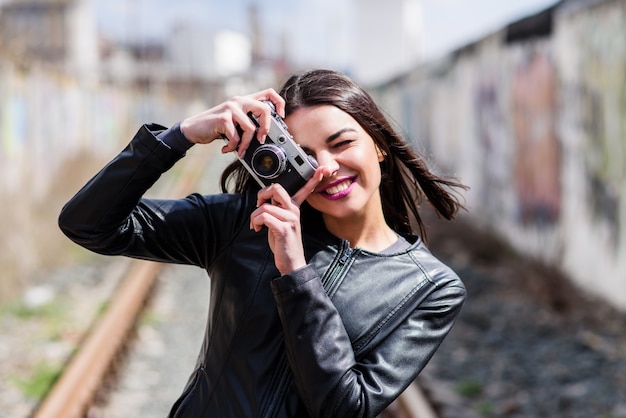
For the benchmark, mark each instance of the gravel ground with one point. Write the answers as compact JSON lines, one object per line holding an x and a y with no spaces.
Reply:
{"x":527,"y":343}
{"x":41,"y":329}
{"x":163,"y":354}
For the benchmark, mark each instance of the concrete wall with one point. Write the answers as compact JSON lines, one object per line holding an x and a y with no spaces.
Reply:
{"x":533,"y":118}
{"x":55,"y":132}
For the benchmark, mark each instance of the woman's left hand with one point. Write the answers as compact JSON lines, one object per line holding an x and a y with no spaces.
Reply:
{"x":280,"y":213}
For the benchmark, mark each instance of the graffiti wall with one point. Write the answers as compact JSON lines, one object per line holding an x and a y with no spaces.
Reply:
{"x":533,"y":119}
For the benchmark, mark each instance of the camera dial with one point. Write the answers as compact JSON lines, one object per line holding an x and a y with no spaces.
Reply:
{"x":313,"y":161}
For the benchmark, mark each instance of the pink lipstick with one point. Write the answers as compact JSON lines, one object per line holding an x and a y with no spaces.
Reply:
{"x":339,"y":189}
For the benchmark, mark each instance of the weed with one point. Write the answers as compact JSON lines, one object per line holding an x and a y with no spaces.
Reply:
{"x":41,"y":381}
{"x":484,"y":408}
{"x":470,"y":388}
{"x":51,"y":310}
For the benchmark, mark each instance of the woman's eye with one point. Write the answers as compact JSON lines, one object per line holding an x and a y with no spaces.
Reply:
{"x":342,"y":143}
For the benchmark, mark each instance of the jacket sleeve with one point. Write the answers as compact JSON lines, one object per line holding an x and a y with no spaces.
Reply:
{"x":109,"y":215}
{"x":330,"y":379}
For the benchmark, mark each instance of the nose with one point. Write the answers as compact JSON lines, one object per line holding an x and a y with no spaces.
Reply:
{"x":327,"y":160}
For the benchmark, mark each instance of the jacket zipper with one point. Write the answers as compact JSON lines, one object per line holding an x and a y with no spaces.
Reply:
{"x":335,"y":268}
{"x":328,"y":281}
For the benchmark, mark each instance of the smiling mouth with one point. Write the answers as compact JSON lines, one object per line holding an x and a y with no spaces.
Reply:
{"x":339,"y":188}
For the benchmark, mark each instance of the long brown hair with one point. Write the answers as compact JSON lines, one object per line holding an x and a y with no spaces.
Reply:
{"x":406,"y":179}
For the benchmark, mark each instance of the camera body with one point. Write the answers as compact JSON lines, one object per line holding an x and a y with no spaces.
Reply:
{"x":279,"y":159}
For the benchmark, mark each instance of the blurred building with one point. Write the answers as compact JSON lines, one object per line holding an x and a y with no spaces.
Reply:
{"x":201,"y":53}
{"x":388,"y":38}
{"x":60,"y":34}
{"x":194,"y":61}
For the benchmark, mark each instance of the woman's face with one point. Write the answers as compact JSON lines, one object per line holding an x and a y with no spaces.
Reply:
{"x":337,"y":141}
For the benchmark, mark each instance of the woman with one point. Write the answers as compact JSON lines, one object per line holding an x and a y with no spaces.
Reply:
{"x":323,"y":303}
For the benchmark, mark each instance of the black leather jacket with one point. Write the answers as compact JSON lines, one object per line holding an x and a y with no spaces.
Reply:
{"x":341,"y":337}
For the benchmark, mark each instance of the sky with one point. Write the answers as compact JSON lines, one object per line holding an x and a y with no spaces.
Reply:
{"x":447,"y":24}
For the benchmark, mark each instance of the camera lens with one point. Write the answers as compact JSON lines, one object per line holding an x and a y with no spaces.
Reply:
{"x":268,"y":161}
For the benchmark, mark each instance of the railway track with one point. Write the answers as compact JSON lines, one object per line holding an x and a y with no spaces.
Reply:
{"x":98,"y":355}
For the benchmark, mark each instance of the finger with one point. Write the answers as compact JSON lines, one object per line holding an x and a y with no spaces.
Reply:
{"x":262,"y":112}
{"x":255,"y":105}
{"x":241,"y":108}
{"x":232,"y":138}
{"x":274,"y":97}
{"x":265,"y":122}
{"x":245,"y":131}
{"x":276,"y":194}
{"x":273,"y":223}
{"x":273,"y":217}
{"x":309,"y":187}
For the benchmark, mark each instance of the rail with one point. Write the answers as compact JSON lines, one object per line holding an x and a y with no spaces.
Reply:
{"x":88,"y":367}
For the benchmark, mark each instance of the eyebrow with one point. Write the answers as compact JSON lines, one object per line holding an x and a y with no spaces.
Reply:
{"x":338,"y":134}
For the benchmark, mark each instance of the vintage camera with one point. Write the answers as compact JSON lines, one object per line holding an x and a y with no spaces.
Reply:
{"x":279,"y":159}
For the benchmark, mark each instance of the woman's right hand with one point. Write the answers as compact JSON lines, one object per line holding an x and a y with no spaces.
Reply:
{"x":223,"y":119}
